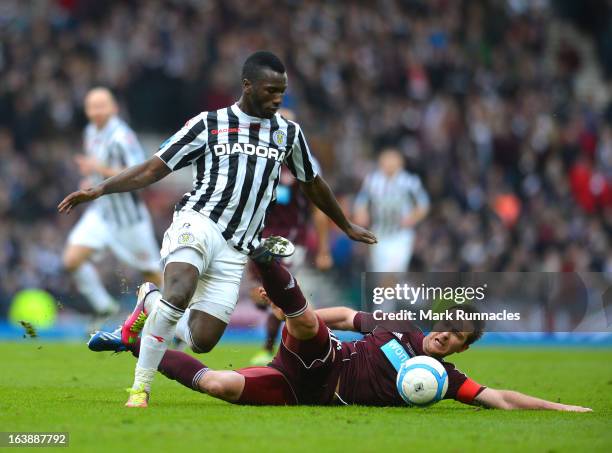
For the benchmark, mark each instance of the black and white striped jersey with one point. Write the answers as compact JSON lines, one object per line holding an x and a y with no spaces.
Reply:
{"x":390,"y":199}
{"x":115,"y":146}
{"x":236,"y":160}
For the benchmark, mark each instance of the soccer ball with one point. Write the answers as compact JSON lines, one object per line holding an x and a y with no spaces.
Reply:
{"x":421,"y":381}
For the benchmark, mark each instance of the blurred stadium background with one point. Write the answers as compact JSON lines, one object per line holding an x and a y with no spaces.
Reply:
{"x":502,"y":107}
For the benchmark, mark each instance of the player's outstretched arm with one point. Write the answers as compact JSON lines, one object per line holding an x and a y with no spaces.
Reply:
{"x":508,"y":400}
{"x":131,"y":178}
{"x":321,"y":195}
{"x":338,"y":318}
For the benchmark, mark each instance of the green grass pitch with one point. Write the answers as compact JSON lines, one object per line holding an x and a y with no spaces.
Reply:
{"x":64,"y":387}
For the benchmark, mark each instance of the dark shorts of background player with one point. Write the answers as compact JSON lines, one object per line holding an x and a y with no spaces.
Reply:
{"x":302,"y":372}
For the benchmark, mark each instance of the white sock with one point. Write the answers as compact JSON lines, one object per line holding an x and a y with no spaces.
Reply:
{"x":89,"y":285}
{"x":151,"y":301}
{"x":158,"y":331}
{"x":182,"y":328}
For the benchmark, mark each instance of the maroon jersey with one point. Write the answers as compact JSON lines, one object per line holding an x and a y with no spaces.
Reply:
{"x":289,"y":213}
{"x":368,"y":377}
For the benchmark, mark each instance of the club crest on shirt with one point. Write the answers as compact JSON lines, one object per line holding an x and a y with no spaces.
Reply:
{"x":186,"y":238}
{"x":279,"y":138}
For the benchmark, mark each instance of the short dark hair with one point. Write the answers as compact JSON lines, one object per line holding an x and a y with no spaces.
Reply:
{"x":477,"y":322}
{"x":259,"y":60}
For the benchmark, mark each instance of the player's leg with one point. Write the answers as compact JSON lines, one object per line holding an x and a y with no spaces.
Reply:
{"x":284,"y":291}
{"x":200,"y":330}
{"x":255,"y":385}
{"x":180,"y":281}
{"x":189,"y":244}
{"x":306,"y":354}
{"x":294,"y":263}
{"x":89,"y":236}
{"x":306,"y":343}
{"x":272,"y":324}
{"x":213,"y":301}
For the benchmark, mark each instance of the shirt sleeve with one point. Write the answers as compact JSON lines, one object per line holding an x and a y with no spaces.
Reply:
{"x":300,"y":160}
{"x":419,"y":193}
{"x":461,"y":387}
{"x":363,"y":322}
{"x":186,"y":145}
{"x":128,"y":150}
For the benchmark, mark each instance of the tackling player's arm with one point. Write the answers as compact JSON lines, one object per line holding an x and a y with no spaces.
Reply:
{"x":338,"y":318}
{"x":131,"y":178}
{"x":508,"y":400}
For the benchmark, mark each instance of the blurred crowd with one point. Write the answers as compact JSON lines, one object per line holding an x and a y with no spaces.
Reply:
{"x":480,"y":96}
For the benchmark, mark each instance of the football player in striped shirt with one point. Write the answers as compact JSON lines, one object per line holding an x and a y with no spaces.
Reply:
{"x":120,"y":222}
{"x":235,"y":154}
{"x":392,"y":202}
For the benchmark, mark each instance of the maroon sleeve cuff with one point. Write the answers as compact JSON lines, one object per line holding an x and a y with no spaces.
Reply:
{"x":363,"y":321}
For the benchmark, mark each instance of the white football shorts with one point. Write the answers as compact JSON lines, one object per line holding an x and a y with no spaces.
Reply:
{"x":135,"y":245}
{"x":392,"y":253}
{"x":195,"y":239}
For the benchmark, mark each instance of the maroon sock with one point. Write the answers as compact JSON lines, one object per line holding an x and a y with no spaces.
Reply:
{"x":272,"y":326}
{"x":182,"y":368}
{"x":265,"y":386}
{"x":178,"y":366}
{"x":282,"y":288}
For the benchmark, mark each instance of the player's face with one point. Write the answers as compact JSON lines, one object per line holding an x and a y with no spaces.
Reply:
{"x":445,"y":339}
{"x":265,"y":95}
{"x":390,"y":162}
{"x":99,"y":107}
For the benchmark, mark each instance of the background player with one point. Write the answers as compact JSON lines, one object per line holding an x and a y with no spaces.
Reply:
{"x":289,"y":217}
{"x":313,"y":367}
{"x":391,"y":202}
{"x":119,"y":222}
{"x":236,"y":154}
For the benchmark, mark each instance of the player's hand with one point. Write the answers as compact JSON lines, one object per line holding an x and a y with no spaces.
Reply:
{"x":78,"y":197}
{"x":359,"y":234}
{"x":323,"y":260}
{"x":87,"y":165}
{"x":569,"y":408}
{"x":263,"y":296}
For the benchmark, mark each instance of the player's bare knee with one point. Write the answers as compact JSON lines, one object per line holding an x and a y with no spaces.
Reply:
{"x":203,"y":341}
{"x":179,"y":285}
{"x":202,"y":347}
{"x":178,"y":299}
{"x":303,"y":327}
{"x":205,"y":331}
{"x":216,"y":384}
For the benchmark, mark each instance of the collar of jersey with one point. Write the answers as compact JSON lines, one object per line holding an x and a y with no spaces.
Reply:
{"x":240,"y":114}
